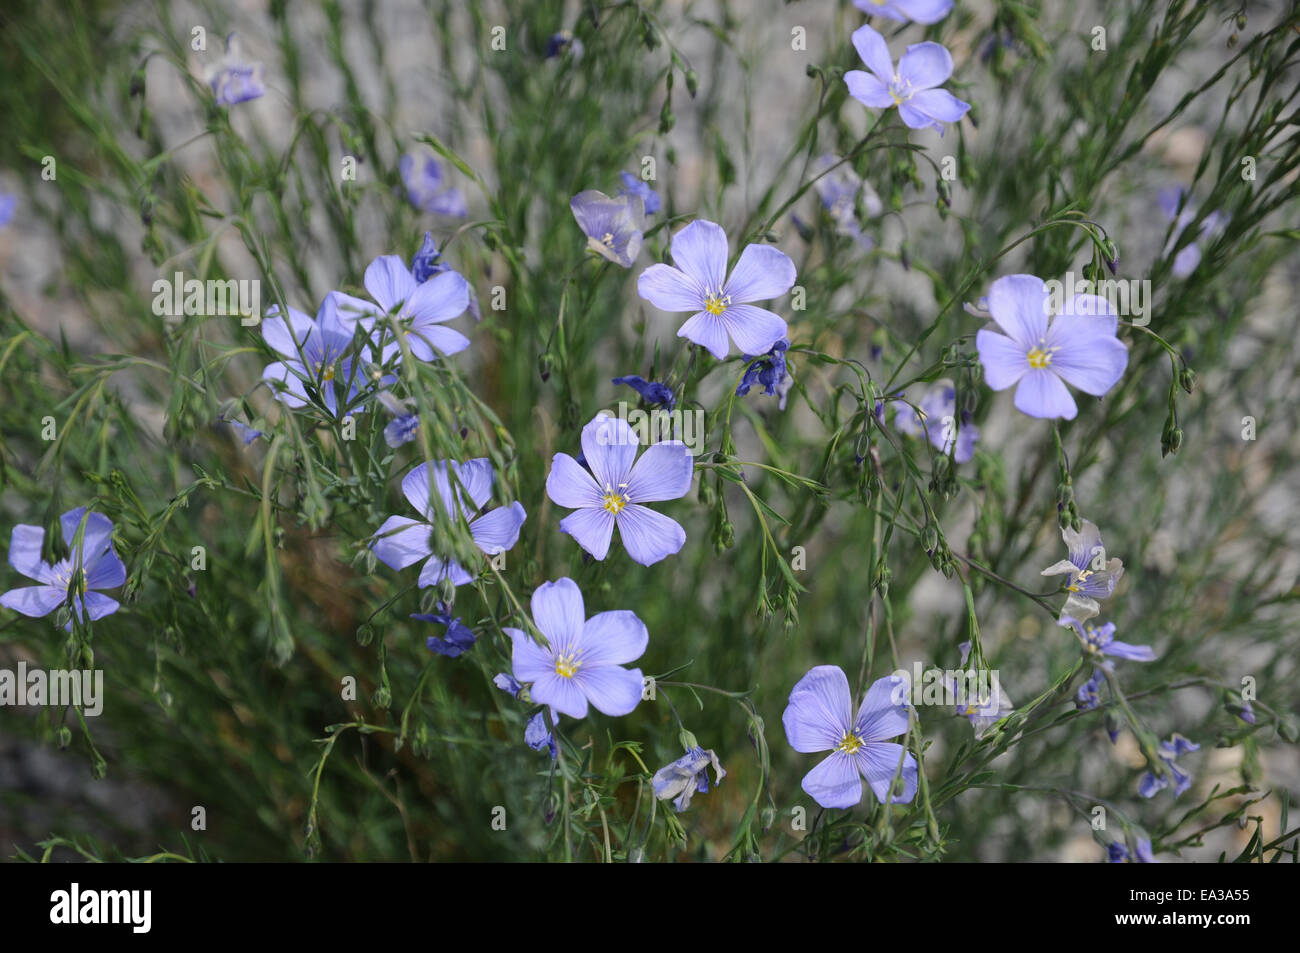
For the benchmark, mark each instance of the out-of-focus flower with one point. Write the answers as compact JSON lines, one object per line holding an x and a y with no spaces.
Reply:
{"x":688,"y":775}
{"x":1091,"y":575}
{"x":615,"y":488}
{"x":92,"y":565}
{"x":651,"y":391}
{"x":401,"y":541}
{"x":564,"y":42}
{"x":538,"y":737}
{"x":233,"y":80}
{"x":819,"y":717}
{"x":613,"y":226}
{"x":8,"y":205}
{"x":582,"y":664}
{"x":1088,"y":696}
{"x":935,"y":418}
{"x":911,"y":87}
{"x":903,"y":11}
{"x":700,"y":284}
{"x":1151,"y":783}
{"x":1171,"y":200}
{"x":427,"y":187}
{"x":839,"y":189}
{"x":635,"y":185}
{"x":1078,"y":346}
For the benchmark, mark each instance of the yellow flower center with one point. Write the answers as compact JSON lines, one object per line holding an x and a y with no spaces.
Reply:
{"x":1081,"y":577}
{"x":615,"y":500}
{"x":1040,"y":357}
{"x":849,"y":744}
{"x":715,"y":302}
{"x":328,"y":373}
{"x":567,"y":665}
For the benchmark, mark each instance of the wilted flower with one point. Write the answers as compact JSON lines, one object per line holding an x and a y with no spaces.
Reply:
{"x":456,"y":640}
{"x":612,"y":225}
{"x":700,"y":284}
{"x":982,"y":712}
{"x":917,"y":11}
{"x":93,"y":565}
{"x":1091,"y":575}
{"x":427,"y":187}
{"x":911,"y":87}
{"x":1151,"y":783}
{"x":405,"y":424}
{"x":420,"y":309}
{"x":402,"y":541}
{"x":1078,"y":347}
{"x":245,"y":433}
{"x":935,"y":418}
{"x":651,"y":391}
{"x":686,"y":776}
{"x":819,"y":717}
{"x":770,"y":371}
{"x":538,"y":737}
{"x":232,"y":79}
{"x":635,"y":185}
{"x":1117,"y":852}
{"x":320,"y":365}
{"x":583,"y":661}
{"x":614,"y":491}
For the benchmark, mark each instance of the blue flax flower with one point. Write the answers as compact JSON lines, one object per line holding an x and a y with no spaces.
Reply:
{"x":1151,"y":783}
{"x":95,"y":565}
{"x":536,"y":735}
{"x":688,"y":775}
{"x":1078,"y":347}
{"x":427,"y":187}
{"x":232,"y":79}
{"x":721,"y":303}
{"x":1088,"y":696}
{"x":401,"y":541}
{"x":563,"y":42}
{"x":1091,"y":575}
{"x":582,"y":662}
{"x":456,"y":640}
{"x":1181,"y":211}
{"x":420,"y":309}
{"x":1100,"y":647}
{"x":839,"y":189}
{"x":613,"y":490}
{"x":8,"y":204}
{"x":903,"y":11}
{"x":911,"y":87}
{"x":819,"y":717}
{"x":935,"y":418}
{"x":769,"y":370}
{"x":652,"y":392}
{"x":427,"y":262}
{"x":319,"y":364}
{"x":635,"y":185}
{"x":613,"y":226}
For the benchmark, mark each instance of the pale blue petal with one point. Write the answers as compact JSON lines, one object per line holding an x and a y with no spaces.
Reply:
{"x":648,"y":536}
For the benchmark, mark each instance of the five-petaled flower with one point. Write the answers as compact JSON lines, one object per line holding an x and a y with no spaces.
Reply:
{"x":613,"y":226}
{"x":582,"y":662}
{"x":721,"y":303}
{"x":820,"y":717}
{"x":613,"y":492}
{"x":1091,"y":575}
{"x":1152,"y":783}
{"x":1100,"y":647}
{"x":419,"y":309}
{"x":321,"y":364}
{"x":688,"y":775}
{"x":1077,"y":346}
{"x":92,"y":565}
{"x":402,"y":541}
{"x":911,"y":87}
